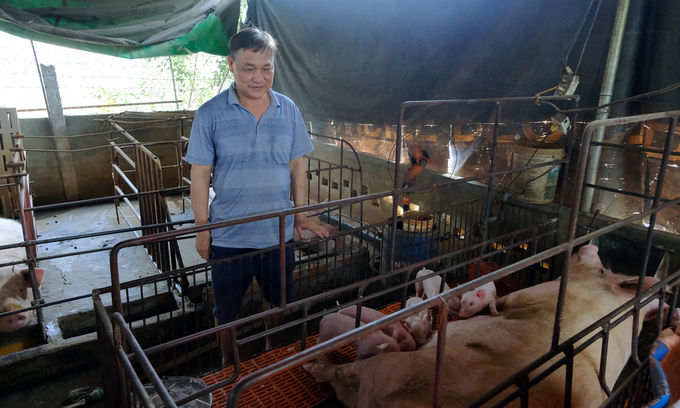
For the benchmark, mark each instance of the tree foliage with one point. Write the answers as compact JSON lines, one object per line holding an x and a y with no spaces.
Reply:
{"x":193,"y":79}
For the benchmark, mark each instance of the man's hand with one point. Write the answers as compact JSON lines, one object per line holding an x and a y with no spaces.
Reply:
{"x":203,"y":244}
{"x":303,"y":223}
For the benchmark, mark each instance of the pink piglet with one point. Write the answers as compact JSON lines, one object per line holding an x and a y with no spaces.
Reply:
{"x":477,"y":299}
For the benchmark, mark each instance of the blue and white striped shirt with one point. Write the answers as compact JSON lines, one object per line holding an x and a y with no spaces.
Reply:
{"x":250,"y":159}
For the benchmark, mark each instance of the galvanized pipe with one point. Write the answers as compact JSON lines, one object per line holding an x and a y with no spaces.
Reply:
{"x":606,"y":96}
{"x":136,"y":383}
{"x":441,"y":350}
{"x":578,"y":188}
{"x":220,"y":384}
{"x":602,"y":375}
{"x":104,"y":199}
{"x":625,"y":385}
{"x":657,"y":198}
{"x":128,"y":202}
{"x":146,"y":365}
{"x":282,"y":259}
{"x":127,"y":180}
{"x":489,"y":187}
{"x":122,"y":154}
{"x":46,"y":304}
{"x":568,"y":386}
{"x":456,"y":291}
{"x":650,"y":229}
{"x":633,"y":148}
{"x":392,"y":244}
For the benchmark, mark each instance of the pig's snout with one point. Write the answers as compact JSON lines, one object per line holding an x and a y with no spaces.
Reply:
{"x":12,"y":322}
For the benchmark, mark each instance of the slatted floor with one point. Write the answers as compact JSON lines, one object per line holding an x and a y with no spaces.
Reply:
{"x":295,"y":388}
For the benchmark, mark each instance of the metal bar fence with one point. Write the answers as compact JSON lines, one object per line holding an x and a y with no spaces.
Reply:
{"x":536,"y":256}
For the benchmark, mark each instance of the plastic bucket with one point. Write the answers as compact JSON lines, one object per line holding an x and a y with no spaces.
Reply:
{"x":538,"y":185}
{"x":420,"y":223}
{"x":411,"y":246}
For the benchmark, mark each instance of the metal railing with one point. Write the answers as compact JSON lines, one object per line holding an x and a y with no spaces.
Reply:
{"x":505,"y":246}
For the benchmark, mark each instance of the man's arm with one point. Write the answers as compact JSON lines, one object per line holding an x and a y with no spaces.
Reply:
{"x":200,"y":186}
{"x":298,"y":182}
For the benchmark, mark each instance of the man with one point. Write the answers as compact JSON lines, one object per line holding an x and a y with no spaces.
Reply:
{"x":252,"y":140}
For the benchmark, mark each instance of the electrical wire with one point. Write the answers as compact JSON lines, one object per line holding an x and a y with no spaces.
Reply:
{"x":537,"y":96}
{"x":505,"y":188}
{"x":585,"y":43}
{"x":632,"y":98}
{"x":572,"y":41}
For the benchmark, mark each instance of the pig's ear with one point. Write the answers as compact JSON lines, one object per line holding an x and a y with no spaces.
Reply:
{"x":481,"y":293}
{"x":629,"y":286}
{"x":39,"y":273}
{"x":454,"y":303}
{"x":407,"y":326}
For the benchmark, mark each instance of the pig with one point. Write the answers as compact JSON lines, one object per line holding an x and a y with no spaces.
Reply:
{"x":482,"y":352}
{"x":420,"y":324}
{"x":429,"y":288}
{"x":400,"y":332}
{"x":477,"y":299}
{"x":335,"y":324}
{"x":15,"y":280}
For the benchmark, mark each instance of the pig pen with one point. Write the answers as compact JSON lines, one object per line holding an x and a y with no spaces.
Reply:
{"x":74,"y":239}
{"x":70,"y":241}
{"x":277,"y":373}
{"x":528,"y":242}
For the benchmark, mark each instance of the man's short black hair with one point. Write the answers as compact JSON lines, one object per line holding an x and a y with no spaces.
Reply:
{"x":253,"y":39}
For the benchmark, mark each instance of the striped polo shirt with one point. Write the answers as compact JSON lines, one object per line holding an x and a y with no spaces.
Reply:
{"x":250,"y":159}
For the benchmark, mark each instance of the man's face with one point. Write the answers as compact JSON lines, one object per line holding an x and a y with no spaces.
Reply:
{"x":253,"y":73}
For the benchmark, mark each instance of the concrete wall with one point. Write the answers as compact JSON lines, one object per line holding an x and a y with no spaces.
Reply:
{"x":92,"y":167}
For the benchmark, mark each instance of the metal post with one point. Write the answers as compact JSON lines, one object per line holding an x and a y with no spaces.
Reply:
{"x":439,"y":367}
{"x":282,"y":259}
{"x":605,"y":97}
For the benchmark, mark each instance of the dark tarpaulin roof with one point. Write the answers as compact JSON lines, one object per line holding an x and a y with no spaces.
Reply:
{"x":125,"y":28}
{"x":358,"y":60}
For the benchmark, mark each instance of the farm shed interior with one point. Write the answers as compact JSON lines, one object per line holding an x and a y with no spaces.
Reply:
{"x":354,"y":184}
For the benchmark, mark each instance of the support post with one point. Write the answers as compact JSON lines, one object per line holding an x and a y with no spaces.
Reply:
{"x":58,"y":125}
{"x":605,"y":97}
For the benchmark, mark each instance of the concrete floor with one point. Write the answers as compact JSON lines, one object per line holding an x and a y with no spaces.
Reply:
{"x":50,"y":394}
{"x":80,"y":274}
{"x":77,"y":275}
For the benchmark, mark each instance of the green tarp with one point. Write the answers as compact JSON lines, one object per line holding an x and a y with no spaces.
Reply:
{"x":125,"y":28}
